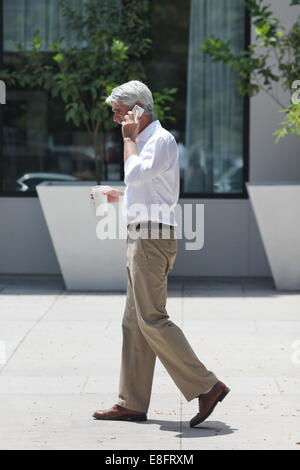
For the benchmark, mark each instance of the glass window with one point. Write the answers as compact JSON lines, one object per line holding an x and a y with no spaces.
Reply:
{"x":209,"y":113}
{"x":215,"y":109}
{"x":168,"y":62}
{"x":36,"y":138}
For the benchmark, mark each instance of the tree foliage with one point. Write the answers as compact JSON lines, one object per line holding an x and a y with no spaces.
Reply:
{"x":274,"y":59}
{"x":109,"y":46}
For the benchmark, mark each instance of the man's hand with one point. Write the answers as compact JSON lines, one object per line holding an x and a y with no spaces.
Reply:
{"x":113,"y":195}
{"x":130,"y":125}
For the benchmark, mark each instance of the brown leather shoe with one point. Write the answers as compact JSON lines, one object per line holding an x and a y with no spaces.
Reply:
{"x":118,"y":413}
{"x":208,"y":401}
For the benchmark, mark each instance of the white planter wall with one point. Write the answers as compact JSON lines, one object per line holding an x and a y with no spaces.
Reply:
{"x":277,"y":210}
{"x":232,"y":243}
{"x":25,"y":242}
{"x":86,"y":262}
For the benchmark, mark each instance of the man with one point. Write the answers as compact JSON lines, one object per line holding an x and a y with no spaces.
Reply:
{"x":151,"y":168}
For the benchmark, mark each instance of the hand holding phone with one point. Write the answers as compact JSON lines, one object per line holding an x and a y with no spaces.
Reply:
{"x":139,"y":108}
{"x":131,"y":128}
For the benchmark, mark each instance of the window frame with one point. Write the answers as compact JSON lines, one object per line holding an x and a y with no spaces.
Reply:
{"x":183,"y":195}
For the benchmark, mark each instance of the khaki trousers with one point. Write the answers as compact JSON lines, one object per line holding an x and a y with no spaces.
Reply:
{"x":147,"y":330}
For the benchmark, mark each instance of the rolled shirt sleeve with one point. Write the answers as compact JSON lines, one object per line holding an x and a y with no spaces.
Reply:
{"x":153,"y":160}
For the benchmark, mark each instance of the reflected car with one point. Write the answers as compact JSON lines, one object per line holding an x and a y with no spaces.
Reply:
{"x":231,"y":181}
{"x":29,"y":181}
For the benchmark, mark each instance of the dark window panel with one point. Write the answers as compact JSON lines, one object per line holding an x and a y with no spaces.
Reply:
{"x":37,"y":139}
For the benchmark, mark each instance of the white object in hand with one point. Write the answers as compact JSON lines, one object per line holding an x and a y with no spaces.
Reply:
{"x":99,"y":198}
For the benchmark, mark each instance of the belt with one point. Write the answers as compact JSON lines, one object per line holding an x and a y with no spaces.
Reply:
{"x":160,"y":225}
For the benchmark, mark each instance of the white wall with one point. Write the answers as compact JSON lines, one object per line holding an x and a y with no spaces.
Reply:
{"x":270,"y":161}
{"x":232,"y":245}
{"x":25,"y":244}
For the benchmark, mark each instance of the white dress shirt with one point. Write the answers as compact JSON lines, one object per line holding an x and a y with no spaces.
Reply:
{"x":152,"y":177}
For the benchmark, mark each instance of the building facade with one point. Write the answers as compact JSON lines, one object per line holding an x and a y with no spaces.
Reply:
{"x":224,"y":140}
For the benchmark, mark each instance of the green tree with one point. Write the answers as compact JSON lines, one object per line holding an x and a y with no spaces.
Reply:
{"x":275,"y":58}
{"x":109,"y":46}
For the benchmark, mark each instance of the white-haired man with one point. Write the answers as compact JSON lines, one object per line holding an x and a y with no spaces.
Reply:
{"x":151,"y":168}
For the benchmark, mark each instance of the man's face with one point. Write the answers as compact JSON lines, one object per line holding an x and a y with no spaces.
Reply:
{"x":119,"y":110}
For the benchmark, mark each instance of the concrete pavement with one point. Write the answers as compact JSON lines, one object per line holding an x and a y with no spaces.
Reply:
{"x":60,"y":354}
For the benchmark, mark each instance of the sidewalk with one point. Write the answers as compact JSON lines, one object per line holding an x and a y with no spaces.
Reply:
{"x":63,"y":354}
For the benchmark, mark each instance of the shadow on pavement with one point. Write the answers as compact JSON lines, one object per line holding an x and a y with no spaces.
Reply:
{"x":207,"y":429}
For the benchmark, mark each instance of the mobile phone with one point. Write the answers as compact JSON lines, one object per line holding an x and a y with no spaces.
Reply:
{"x":141,"y":110}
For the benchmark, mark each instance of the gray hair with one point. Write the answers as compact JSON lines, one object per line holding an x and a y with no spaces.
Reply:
{"x":131,"y":92}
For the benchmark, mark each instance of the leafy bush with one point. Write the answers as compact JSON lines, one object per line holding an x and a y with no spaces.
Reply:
{"x":275,"y":58}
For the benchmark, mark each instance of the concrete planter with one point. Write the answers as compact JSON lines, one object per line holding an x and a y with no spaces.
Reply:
{"x":86,"y":262}
{"x":277,"y":211}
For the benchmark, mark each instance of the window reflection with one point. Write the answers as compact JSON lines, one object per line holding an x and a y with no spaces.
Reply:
{"x":32,"y":144}
{"x":214,"y":111}
{"x":208,"y":111}
{"x":37,"y":141}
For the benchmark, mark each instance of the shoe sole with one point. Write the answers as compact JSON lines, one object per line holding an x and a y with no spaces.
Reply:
{"x":220,"y":398}
{"x":123,"y":418}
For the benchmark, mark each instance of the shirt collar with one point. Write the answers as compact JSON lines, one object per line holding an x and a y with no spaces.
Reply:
{"x":148,"y":131}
